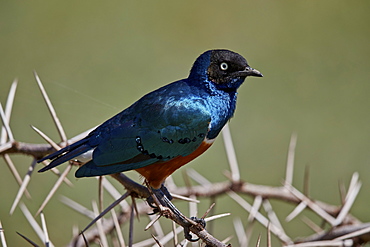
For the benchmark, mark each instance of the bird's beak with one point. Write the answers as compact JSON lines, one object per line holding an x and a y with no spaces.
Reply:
{"x":248,"y":71}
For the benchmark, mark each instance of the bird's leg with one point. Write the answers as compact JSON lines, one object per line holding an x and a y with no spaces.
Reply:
{"x":164,"y":199}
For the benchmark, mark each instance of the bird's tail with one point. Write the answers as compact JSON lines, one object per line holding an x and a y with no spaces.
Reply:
{"x":66,"y":154}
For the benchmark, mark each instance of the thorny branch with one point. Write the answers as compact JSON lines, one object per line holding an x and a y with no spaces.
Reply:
{"x":345,"y":229}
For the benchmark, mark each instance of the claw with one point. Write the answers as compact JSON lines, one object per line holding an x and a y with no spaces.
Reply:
{"x":164,"y":199}
{"x":187,"y":234}
{"x":200,"y":221}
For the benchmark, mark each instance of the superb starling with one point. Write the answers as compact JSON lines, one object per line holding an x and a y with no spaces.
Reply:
{"x":166,"y":128}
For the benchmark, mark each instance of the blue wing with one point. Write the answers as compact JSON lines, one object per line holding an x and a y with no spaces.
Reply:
{"x":164,"y":124}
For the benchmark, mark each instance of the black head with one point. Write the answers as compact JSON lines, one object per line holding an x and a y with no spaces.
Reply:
{"x":224,"y":68}
{"x":227,"y":66}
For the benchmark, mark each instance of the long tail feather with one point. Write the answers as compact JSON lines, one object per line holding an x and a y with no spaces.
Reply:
{"x":63,"y":150}
{"x":66,"y":154}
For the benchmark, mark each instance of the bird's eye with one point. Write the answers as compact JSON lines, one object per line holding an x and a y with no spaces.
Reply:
{"x":224,"y":66}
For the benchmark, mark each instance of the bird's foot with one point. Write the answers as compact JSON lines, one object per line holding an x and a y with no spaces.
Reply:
{"x":159,"y":194}
{"x":197,"y":221}
{"x":162,"y":198}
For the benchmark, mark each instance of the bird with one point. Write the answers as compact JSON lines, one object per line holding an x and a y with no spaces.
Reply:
{"x":166,"y":128}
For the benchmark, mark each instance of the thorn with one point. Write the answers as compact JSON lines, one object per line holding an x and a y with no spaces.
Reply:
{"x":100,"y":193}
{"x":239,"y":230}
{"x":290,"y":159}
{"x":214,"y":217}
{"x":115,"y":194}
{"x":342,"y":191}
{"x":193,"y":207}
{"x":54,"y":189}
{"x":353,"y":183}
{"x":184,"y":198}
{"x":6,"y":124}
{"x":51,"y":109}
{"x":15,"y":173}
{"x":152,"y":222}
{"x":268,"y":235}
{"x":99,"y":226}
{"x":261,"y":219}
{"x":255,"y":208}
{"x":28,"y":240}
{"x":306,"y":183}
{"x":157,"y":241}
{"x":118,"y":229}
{"x":131,"y":227}
{"x":230,"y":151}
{"x":77,"y":207}
{"x":46,"y":138}
{"x":133,"y":201}
{"x":350,"y":199}
{"x":175,"y":238}
{"x":157,"y":227}
{"x":33,"y":222}
{"x":317,"y":209}
{"x":208,"y":210}
{"x":297,"y":210}
{"x":226,"y":240}
{"x":272,"y":215}
{"x":110,"y":207}
{"x":258,"y":240}
{"x":23,"y":187}
{"x":45,"y":230}
{"x":56,"y":171}
{"x":311,"y":224}
{"x":8,"y":110}
{"x":2,"y":236}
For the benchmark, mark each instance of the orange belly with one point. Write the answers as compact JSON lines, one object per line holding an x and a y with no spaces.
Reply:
{"x":156,"y":173}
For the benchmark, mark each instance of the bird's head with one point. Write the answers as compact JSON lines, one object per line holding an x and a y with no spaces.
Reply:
{"x":227,"y":70}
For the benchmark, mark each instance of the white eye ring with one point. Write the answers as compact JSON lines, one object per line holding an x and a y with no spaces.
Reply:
{"x":224,"y":66}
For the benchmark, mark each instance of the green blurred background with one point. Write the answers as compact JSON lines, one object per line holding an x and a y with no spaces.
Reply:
{"x":96,"y":58}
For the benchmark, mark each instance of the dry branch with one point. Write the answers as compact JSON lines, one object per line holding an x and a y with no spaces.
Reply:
{"x":345,"y":227}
